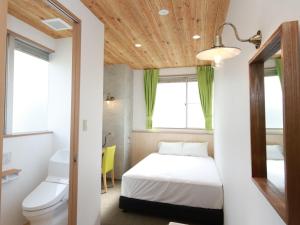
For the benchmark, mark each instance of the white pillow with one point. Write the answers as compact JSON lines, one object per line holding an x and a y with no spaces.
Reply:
{"x":274,"y":152}
{"x":195,"y":149}
{"x":170,"y":148}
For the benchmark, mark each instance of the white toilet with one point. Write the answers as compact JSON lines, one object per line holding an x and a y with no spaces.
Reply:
{"x":47,"y":204}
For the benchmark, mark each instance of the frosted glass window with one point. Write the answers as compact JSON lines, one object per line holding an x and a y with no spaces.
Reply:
{"x":273,"y":102}
{"x":29,"y":94}
{"x":178,"y":105}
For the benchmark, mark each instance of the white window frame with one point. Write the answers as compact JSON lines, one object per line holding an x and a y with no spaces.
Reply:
{"x":11,"y":47}
{"x":180,"y":78}
{"x":8,"y":125}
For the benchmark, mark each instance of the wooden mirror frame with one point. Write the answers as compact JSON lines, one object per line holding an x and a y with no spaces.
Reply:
{"x":286,"y":38}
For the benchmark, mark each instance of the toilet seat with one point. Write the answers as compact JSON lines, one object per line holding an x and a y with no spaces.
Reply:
{"x":31,"y":214}
{"x":45,"y":196}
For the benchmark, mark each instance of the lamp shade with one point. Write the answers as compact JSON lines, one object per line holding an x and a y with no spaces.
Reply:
{"x":218,"y":53}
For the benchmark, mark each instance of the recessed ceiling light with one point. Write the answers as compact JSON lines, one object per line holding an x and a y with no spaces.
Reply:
{"x":196,"y":37}
{"x":137,"y":45}
{"x":163,"y":12}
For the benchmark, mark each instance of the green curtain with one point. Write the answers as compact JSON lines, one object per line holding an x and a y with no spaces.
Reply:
{"x":278,"y":68}
{"x":151,"y":77}
{"x":205,"y":77}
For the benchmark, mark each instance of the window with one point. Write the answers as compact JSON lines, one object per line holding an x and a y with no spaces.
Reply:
{"x":273,"y":102}
{"x":177,"y":104}
{"x":27,"y":88}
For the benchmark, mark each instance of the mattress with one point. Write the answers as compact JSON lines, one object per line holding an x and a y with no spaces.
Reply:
{"x":276,"y":174}
{"x":179,"y":180}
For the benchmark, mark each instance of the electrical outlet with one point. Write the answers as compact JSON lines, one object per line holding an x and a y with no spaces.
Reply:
{"x":6,"y":158}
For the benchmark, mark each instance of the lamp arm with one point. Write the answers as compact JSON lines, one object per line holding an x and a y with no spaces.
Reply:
{"x":235,"y":32}
{"x":255,"y":39}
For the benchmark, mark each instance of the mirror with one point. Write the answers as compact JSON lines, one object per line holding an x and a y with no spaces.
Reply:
{"x":36,"y":150}
{"x":274,"y":121}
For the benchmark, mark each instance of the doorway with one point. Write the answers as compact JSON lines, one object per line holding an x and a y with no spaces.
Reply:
{"x":55,"y":7}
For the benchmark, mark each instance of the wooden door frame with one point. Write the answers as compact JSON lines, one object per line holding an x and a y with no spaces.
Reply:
{"x":3,"y":35}
{"x":75,"y":98}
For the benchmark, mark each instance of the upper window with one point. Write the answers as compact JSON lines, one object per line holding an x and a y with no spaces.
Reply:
{"x":27,"y":88}
{"x":177,"y":104}
{"x":273,"y":102}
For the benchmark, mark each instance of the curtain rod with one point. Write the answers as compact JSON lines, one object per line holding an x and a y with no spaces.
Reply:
{"x":178,"y":75}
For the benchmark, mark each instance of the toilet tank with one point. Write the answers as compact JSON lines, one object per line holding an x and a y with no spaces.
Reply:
{"x":59,"y":164}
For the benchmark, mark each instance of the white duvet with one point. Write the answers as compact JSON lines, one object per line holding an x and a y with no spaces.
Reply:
{"x":179,"y":180}
{"x":276,"y":174}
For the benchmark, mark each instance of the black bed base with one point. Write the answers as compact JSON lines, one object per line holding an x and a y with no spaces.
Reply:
{"x":176,"y":213}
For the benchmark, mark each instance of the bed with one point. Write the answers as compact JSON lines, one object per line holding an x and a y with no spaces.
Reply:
{"x":275,"y":166}
{"x":183,"y":188}
{"x":276,"y":174}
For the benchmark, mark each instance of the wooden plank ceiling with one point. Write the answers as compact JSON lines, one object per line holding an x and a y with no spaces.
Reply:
{"x":166,"y":40}
{"x":33,"y":12}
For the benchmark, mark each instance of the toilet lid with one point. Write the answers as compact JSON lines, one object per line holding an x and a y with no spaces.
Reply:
{"x":45,"y":195}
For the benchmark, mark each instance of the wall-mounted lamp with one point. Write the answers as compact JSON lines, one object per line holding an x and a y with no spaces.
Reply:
{"x":219,"y":52}
{"x":109,"y":98}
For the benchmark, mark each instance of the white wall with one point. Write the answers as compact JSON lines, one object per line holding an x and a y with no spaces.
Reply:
{"x":31,"y":155}
{"x":59,"y":98}
{"x":30,"y":32}
{"x":139,"y":107}
{"x":244,"y":204}
{"x":91,"y":103}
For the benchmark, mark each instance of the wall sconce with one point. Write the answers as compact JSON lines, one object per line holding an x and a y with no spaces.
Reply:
{"x":219,"y":52}
{"x":109,"y":98}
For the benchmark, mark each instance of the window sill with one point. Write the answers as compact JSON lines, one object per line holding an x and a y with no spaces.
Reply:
{"x":274,"y":131}
{"x":177,"y":130}
{"x":27,"y":134}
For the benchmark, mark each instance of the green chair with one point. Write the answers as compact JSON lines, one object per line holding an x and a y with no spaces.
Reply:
{"x":108,"y":164}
